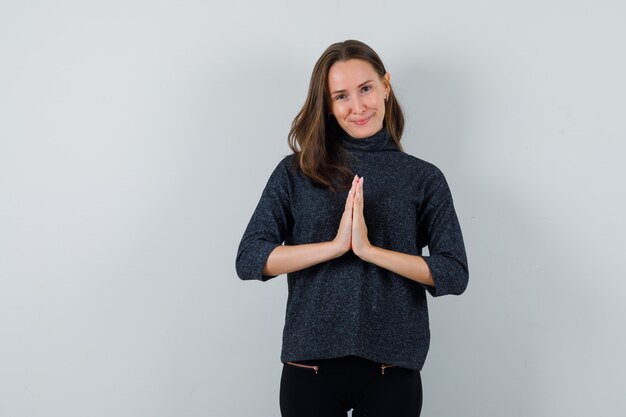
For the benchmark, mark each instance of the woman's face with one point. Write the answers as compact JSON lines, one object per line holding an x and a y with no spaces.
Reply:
{"x":357,"y":96}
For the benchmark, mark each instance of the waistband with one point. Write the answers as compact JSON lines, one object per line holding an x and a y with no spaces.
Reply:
{"x":343,"y":361}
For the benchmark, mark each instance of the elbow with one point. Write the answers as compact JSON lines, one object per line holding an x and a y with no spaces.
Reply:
{"x":451,"y":276}
{"x":458,"y":277}
{"x":247,"y":272}
{"x":462,"y":279}
{"x":245,"y":264}
{"x":240,"y":267}
{"x":250,"y":262}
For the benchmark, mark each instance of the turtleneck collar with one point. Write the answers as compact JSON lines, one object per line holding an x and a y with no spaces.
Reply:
{"x":379,"y":141}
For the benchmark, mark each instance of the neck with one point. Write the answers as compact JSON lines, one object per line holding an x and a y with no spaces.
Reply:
{"x":379,"y":141}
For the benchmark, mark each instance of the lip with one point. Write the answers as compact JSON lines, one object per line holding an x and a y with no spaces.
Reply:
{"x":361,"y":122}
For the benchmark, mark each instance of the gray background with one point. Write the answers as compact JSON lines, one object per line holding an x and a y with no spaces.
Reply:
{"x":136,"y":137}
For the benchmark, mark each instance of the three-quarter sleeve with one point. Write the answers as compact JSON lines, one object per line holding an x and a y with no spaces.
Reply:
{"x":268,"y":227}
{"x":447,"y":259}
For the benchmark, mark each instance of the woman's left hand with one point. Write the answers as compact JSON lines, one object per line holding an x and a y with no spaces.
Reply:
{"x":360,"y":242}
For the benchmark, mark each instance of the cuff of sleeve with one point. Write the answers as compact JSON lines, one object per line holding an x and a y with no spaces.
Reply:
{"x":449,"y":276}
{"x":264,"y":252}
{"x":434,"y":291}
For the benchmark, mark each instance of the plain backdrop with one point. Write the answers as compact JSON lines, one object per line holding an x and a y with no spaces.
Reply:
{"x":136,"y":137}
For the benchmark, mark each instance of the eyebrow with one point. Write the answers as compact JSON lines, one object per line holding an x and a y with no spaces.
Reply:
{"x":343,"y":91}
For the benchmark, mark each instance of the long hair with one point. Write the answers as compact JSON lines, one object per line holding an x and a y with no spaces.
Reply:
{"x":314,"y":130}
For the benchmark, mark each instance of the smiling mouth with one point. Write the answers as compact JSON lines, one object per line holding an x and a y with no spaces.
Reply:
{"x":361,"y":122}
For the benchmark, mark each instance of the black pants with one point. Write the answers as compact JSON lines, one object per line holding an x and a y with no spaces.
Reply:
{"x":331,"y":387}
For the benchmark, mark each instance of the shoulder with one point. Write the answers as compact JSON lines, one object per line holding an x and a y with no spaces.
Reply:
{"x":283,"y":172}
{"x":430,"y":181}
{"x":286,"y":166}
{"x":426,"y":171}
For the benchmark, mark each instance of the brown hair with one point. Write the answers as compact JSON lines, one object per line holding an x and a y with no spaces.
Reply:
{"x":312,"y":131}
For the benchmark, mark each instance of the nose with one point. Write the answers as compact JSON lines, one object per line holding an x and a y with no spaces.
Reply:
{"x":358,"y":106}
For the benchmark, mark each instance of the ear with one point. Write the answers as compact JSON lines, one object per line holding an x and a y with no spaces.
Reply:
{"x":387,"y":77}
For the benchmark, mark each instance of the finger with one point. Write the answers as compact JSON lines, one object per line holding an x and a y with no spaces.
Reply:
{"x":360,"y":188}
{"x":350,"y":197}
{"x":358,"y":199}
{"x":355,"y":184}
{"x":349,"y":200}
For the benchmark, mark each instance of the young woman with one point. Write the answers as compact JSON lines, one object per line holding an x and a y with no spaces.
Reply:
{"x":356,"y":329}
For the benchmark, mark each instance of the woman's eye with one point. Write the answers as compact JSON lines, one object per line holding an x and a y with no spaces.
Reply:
{"x":367,"y":88}
{"x":340,"y":97}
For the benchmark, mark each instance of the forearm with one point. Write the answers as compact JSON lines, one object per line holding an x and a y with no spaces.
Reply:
{"x":289,"y":258}
{"x":409,"y":266}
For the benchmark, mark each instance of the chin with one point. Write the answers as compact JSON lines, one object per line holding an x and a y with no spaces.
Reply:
{"x":364,"y":132}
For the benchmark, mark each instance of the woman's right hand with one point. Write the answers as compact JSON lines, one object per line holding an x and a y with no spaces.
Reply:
{"x":289,"y":258}
{"x":343,"y":240}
